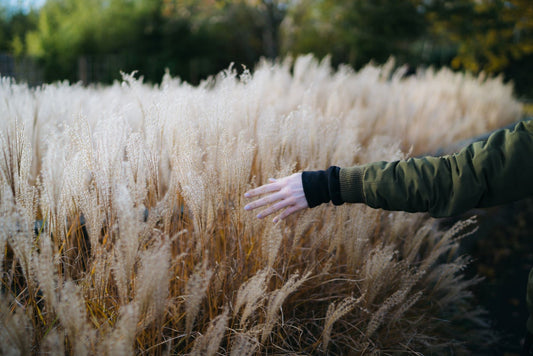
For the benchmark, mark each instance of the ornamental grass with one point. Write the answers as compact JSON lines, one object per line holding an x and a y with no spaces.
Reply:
{"x":123,"y":229}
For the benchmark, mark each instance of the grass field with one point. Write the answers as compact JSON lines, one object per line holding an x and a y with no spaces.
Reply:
{"x":124,"y":230}
{"x":528,"y":109}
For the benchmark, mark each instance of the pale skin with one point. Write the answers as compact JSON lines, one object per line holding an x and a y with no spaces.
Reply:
{"x":284,"y":194}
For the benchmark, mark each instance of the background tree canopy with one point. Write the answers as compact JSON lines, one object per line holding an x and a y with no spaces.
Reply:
{"x":197,"y":38}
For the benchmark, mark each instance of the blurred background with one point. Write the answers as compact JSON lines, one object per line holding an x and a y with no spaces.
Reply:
{"x":92,"y":40}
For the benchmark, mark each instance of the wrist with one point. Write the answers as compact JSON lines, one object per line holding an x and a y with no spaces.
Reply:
{"x":322,"y":186}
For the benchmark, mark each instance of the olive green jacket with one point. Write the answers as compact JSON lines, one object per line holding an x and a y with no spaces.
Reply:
{"x":483,"y":174}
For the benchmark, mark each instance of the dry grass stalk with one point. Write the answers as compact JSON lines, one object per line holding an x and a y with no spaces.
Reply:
{"x":143,"y":243}
{"x":271,"y":243}
{"x":251,"y":295}
{"x":122,"y":338}
{"x":195,"y":292}
{"x":244,"y":345}
{"x":72,"y":313}
{"x":46,"y":274}
{"x":15,"y":330}
{"x":276,"y":300}
{"x":151,"y":283}
{"x":334,"y":313}
{"x":209,"y":343}
{"x":53,"y":343}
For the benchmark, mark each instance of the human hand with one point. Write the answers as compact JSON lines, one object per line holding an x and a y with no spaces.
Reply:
{"x":286,"y":192}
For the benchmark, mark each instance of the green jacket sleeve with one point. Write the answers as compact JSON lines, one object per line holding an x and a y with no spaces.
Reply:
{"x":483,"y":174}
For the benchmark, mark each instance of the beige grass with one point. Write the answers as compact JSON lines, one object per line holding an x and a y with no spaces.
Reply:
{"x":528,"y":109}
{"x":198,"y":274}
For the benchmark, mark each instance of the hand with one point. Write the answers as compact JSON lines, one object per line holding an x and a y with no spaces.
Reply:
{"x":287,"y":192}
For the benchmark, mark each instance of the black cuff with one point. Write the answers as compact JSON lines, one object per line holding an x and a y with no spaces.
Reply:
{"x":322,"y":186}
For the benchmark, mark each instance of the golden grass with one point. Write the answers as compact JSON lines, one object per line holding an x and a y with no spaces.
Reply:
{"x":528,"y":109}
{"x":143,"y":244}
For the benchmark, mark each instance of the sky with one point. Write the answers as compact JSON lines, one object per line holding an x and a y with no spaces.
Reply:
{"x":25,"y":5}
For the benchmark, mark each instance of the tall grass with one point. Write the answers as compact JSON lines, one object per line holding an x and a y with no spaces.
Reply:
{"x":123,"y":229}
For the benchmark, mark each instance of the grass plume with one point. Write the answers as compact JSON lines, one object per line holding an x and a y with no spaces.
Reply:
{"x":123,"y":228}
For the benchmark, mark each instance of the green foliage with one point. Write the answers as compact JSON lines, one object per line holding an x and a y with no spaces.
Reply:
{"x":13,"y":28}
{"x":3,"y":29}
{"x":488,"y":34}
{"x":354,"y":32}
{"x":197,"y":38}
{"x":192,"y":39}
{"x":70,"y":28}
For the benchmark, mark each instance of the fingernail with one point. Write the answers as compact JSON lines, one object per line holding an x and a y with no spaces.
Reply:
{"x":276,"y":219}
{"x":247,"y":207}
{"x":246,"y":195}
{"x":259,"y":216}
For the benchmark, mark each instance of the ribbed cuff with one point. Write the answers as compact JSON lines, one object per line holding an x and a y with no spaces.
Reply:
{"x":334,"y":185}
{"x":322,"y":186}
{"x":351,"y":184}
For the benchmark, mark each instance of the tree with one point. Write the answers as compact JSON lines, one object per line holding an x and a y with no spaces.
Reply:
{"x":354,"y":32}
{"x":69,"y":28}
{"x":488,"y":34}
{"x":192,"y":38}
{"x":13,"y":29}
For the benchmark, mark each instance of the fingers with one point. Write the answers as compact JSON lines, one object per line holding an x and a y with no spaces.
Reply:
{"x":274,"y":208}
{"x":290,"y":211}
{"x":267,"y":188}
{"x":284,"y":193}
{"x":271,"y":198}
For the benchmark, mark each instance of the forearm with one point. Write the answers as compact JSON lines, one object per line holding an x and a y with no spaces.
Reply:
{"x":481,"y":175}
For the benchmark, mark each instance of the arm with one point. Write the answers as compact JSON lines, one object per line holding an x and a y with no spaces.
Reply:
{"x":483,"y":174}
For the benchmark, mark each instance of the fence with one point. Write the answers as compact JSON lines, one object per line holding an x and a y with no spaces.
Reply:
{"x":90,"y":69}
{"x":100,"y":69}
{"x":105,"y":68}
{"x":23,"y":70}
